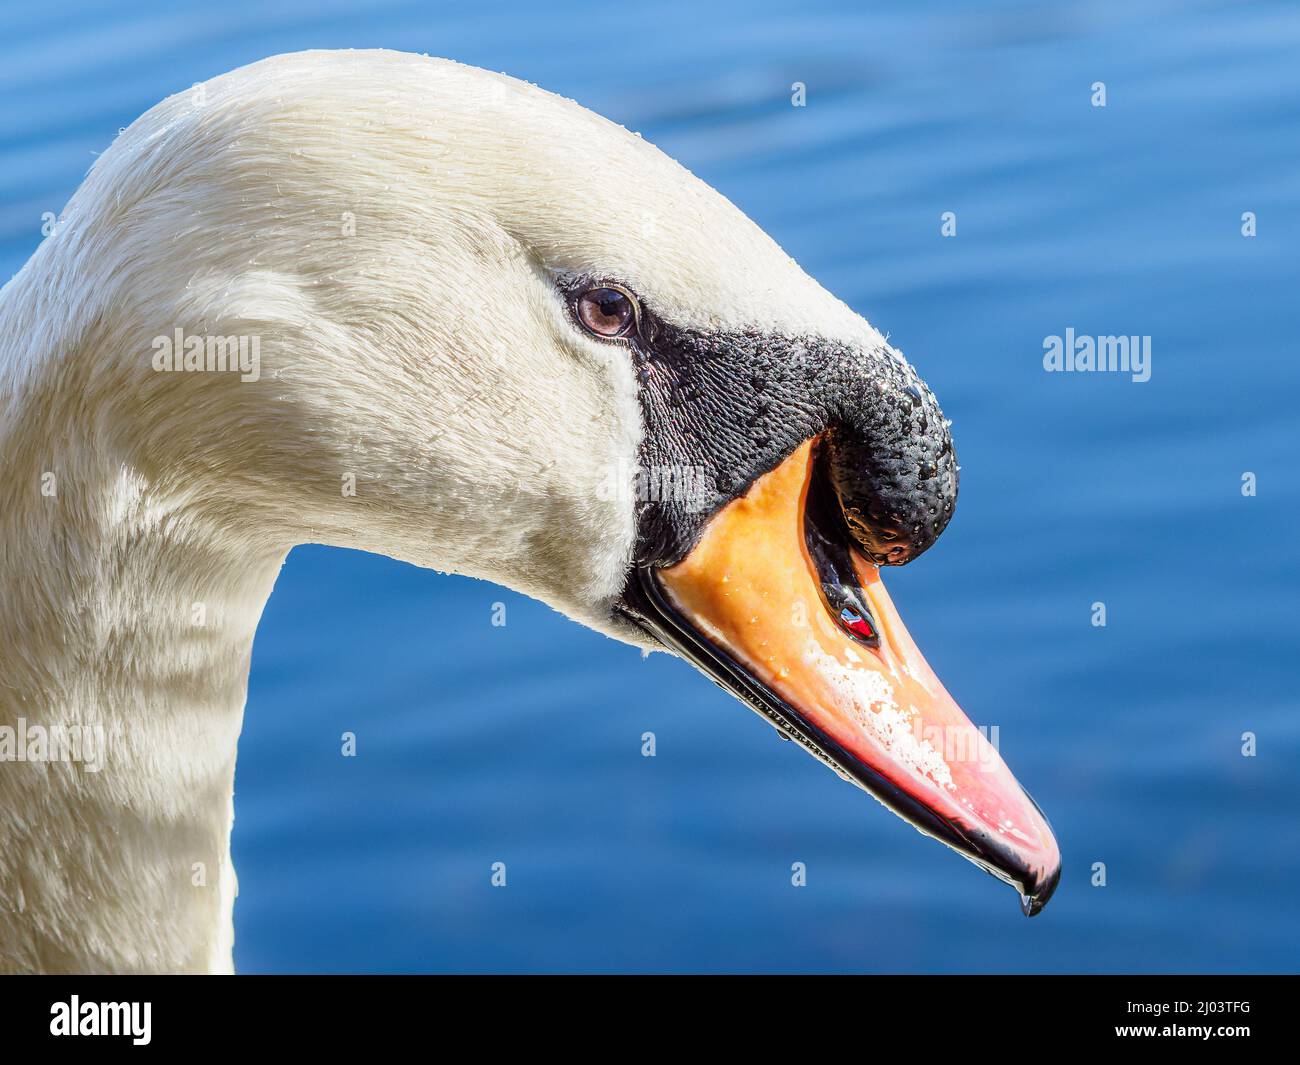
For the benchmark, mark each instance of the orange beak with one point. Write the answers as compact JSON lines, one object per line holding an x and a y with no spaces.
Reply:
{"x":774,"y":604}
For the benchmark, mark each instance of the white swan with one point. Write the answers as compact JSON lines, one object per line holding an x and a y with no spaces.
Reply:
{"x":485,"y":331}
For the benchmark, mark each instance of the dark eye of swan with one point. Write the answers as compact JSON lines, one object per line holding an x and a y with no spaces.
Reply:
{"x":606,"y":312}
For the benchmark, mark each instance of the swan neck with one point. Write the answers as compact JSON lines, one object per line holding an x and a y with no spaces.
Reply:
{"x":124,"y":653}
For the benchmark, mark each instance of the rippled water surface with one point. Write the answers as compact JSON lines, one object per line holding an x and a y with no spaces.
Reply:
{"x":522,"y":744}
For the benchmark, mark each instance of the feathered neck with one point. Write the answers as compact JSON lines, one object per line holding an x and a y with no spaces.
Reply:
{"x":124,"y":651}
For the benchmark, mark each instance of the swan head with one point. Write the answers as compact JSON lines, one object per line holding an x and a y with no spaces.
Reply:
{"x":499,"y":335}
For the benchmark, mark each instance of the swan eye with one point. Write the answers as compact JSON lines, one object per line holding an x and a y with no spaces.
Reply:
{"x":606,"y":312}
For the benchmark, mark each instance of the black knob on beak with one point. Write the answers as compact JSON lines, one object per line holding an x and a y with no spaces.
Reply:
{"x":890,"y":458}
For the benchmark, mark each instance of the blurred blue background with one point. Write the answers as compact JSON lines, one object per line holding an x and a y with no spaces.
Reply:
{"x":522,"y":744}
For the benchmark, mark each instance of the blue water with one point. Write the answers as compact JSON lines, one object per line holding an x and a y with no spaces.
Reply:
{"x":522,"y":744}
